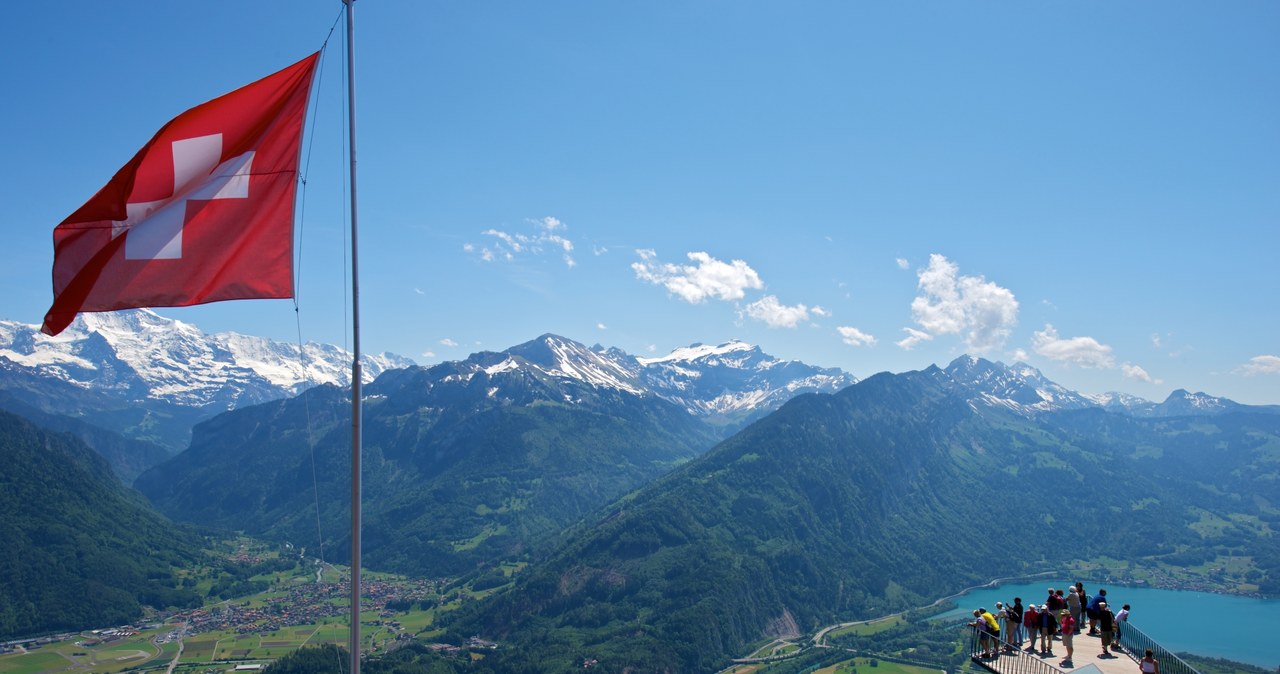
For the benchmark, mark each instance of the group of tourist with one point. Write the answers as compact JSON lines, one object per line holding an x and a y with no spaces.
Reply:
{"x":1060,"y":617}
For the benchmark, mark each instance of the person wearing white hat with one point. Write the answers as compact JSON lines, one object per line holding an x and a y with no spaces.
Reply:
{"x":1048,"y":627}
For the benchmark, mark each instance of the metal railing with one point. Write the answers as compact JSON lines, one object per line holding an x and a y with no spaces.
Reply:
{"x":1010,"y":659}
{"x":1136,"y":642}
{"x":1013,"y":660}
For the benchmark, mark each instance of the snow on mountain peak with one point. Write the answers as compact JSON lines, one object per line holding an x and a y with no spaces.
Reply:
{"x":561,"y":357}
{"x":157,"y":357}
{"x":1021,"y":387}
{"x":698,"y":351}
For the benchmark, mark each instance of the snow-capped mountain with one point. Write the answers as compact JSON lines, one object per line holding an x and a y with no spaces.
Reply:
{"x":557,"y":356}
{"x":728,"y":384}
{"x":1025,"y":390}
{"x":735,"y":378}
{"x":140,"y":355}
{"x":1019,"y":387}
{"x":1182,"y":403}
{"x":1122,"y":403}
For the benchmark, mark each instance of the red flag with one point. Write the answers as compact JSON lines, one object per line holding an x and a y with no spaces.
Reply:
{"x":203,"y":212}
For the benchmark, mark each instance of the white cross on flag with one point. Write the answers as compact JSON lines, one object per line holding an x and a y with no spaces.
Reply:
{"x":203,"y":212}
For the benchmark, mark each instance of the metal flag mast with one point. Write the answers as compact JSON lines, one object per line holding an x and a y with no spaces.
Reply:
{"x":356,"y":374}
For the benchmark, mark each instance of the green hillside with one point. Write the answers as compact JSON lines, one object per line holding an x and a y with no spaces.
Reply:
{"x":849,"y":506}
{"x":455,"y":477}
{"x":80,"y":549}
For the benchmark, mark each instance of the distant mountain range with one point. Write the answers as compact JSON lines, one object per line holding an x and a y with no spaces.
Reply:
{"x":142,"y":356}
{"x":727,"y":385}
{"x":133,"y":383}
{"x":475,"y":460}
{"x":1023,"y":389}
{"x":149,"y":379}
{"x":673,"y":510}
{"x":892,"y":492}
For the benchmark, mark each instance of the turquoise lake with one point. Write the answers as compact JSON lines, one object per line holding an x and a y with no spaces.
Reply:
{"x":1217,"y":625}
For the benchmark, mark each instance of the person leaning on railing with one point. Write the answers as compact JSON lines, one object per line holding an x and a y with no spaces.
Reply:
{"x":1122,"y":619}
{"x":984,"y":630}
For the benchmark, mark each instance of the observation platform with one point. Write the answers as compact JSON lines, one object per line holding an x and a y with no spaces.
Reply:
{"x":1087,"y":657}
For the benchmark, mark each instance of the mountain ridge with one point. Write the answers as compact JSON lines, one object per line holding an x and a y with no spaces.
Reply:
{"x":149,"y":379}
{"x":865,"y":502}
{"x":145,"y":356}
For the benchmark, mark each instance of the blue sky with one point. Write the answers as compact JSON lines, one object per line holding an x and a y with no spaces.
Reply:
{"x":1091,"y":187}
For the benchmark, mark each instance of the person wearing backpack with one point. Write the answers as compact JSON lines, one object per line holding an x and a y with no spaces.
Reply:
{"x":1094,"y":612}
{"x":1106,"y":625}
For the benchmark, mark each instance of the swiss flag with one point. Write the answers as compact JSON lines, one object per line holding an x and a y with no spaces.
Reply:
{"x":203,"y":212}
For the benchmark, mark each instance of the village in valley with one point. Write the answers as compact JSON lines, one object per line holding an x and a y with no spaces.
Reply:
{"x":307,"y":605}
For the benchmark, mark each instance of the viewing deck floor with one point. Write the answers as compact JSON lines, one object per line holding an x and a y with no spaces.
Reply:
{"x":1087,"y":659}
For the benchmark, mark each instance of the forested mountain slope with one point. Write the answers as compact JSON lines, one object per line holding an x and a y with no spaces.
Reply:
{"x":899,"y":489}
{"x":80,"y":549}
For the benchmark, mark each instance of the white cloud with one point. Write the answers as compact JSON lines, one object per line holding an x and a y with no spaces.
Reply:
{"x":1260,"y":365}
{"x":448,"y":342}
{"x":515,"y":243}
{"x":820,"y":312}
{"x":599,"y":250}
{"x":428,"y":354}
{"x":776,"y":314}
{"x":508,"y":245}
{"x":902,"y":263}
{"x":1082,"y":351}
{"x":1019,"y":356}
{"x":855,"y":337}
{"x":420,"y":291}
{"x":695,"y":283}
{"x":601,"y":326}
{"x":913,"y":338}
{"x":952,"y":304}
{"x":1135,"y":372}
{"x":652,"y":348}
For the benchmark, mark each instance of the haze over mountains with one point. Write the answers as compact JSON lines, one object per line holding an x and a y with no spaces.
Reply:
{"x":474,"y":460}
{"x":882,"y":497}
{"x":133,"y":383}
{"x":150,"y":379}
{"x":675,"y":509}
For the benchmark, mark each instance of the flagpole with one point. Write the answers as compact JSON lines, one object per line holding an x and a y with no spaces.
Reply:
{"x":356,"y":374}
